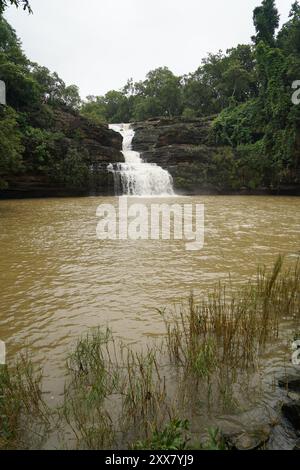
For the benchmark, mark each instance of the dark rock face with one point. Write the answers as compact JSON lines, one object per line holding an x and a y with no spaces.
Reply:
{"x":101,"y":183}
{"x":248,"y":440}
{"x":297,"y":445}
{"x":96,"y":144}
{"x":290,"y":384}
{"x":162,"y":132}
{"x":291,"y":411}
{"x":186,"y":148}
{"x":172,"y":141}
{"x":102,"y":144}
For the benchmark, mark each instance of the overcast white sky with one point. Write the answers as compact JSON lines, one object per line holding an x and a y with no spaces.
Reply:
{"x":99,"y":44}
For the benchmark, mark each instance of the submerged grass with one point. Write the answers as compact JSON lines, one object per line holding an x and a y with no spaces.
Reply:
{"x":230,"y":327}
{"x":92,"y":378}
{"x":144,"y":393}
{"x":115,"y":396}
{"x":24,"y":416}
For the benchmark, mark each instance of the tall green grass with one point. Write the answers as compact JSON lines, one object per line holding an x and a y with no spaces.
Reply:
{"x":24,"y":416}
{"x":231,"y":326}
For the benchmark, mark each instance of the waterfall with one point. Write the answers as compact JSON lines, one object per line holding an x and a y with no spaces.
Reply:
{"x":135,"y":177}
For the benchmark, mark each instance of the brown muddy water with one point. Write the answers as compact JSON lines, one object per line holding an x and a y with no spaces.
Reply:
{"x":57,"y":279}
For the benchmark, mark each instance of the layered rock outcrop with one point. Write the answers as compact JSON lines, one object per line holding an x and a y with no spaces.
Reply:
{"x":95,"y":144}
{"x":187,"y":149}
{"x":184,"y":147}
{"x":102,"y":144}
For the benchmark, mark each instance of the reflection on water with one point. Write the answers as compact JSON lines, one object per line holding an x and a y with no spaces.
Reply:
{"x":57,"y":280}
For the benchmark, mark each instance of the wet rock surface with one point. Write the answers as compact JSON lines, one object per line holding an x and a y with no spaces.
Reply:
{"x":181,"y":146}
{"x":162,"y":132}
{"x":290,"y":384}
{"x":297,"y":445}
{"x":254,"y":439}
{"x":187,"y":149}
{"x":291,"y":412}
{"x":98,"y":146}
{"x":102,"y":144}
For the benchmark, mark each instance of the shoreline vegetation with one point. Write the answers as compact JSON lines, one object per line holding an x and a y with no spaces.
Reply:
{"x":116,"y":397}
{"x":230,"y":127}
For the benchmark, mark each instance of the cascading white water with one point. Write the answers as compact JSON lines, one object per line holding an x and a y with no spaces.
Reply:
{"x":135,"y":177}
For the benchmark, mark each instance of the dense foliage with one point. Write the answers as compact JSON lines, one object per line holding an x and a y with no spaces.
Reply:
{"x":248,"y":88}
{"x":221,"y":79}
{"x":265,"y":129}
{"x":28,"y":138}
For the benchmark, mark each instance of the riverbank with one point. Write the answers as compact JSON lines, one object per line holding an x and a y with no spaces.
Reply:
{"x":32,"y":187}
{"x":184,"y":391}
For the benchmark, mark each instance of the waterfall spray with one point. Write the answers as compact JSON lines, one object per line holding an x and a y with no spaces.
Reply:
{"x":135,"y":177}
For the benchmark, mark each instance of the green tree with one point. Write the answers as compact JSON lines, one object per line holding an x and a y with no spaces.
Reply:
{"x":72,"y":171}
{"x":71,"y":97}
{"x":11,"y":148}
{"x":10,"y":45}
{"x":220,"y":79}
{"x":53,"y":89}
{"x":264,"y":131}
{"x":159,"y":94}
{"x":116,"y":107}
{"x":289,"y":36}
{"x":94,"y":108}
{"x":17,"y":3}
{"x":22,"y":90}
{"x":266,"y":21}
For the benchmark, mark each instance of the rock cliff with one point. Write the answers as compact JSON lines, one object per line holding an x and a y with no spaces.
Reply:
{"x":96,"y":145}
{"x":183,"y":147}
{"x":187,"y":149}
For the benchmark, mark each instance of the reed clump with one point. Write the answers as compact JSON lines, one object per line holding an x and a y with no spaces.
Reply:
{"x":114,"y":395}
{"x":25,"y":418}
{"x":230,"y":327}
{"x":147,"y":398}
{"x":93,"y":377}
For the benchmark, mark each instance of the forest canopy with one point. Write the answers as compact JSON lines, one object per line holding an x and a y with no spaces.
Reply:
{"x":247,"y":89}
{"x":223,"y":79}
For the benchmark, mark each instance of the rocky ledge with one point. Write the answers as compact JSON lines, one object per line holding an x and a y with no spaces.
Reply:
{"x":95,"y":146}
{"x":102,"y":144}
{"x":186,"y":148}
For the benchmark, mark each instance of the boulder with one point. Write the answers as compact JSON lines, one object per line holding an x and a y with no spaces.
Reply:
{"x":291,"y":412}
{"x":290,"y":384}
{"x":297,"y":445}
{"x":248,"y":440}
